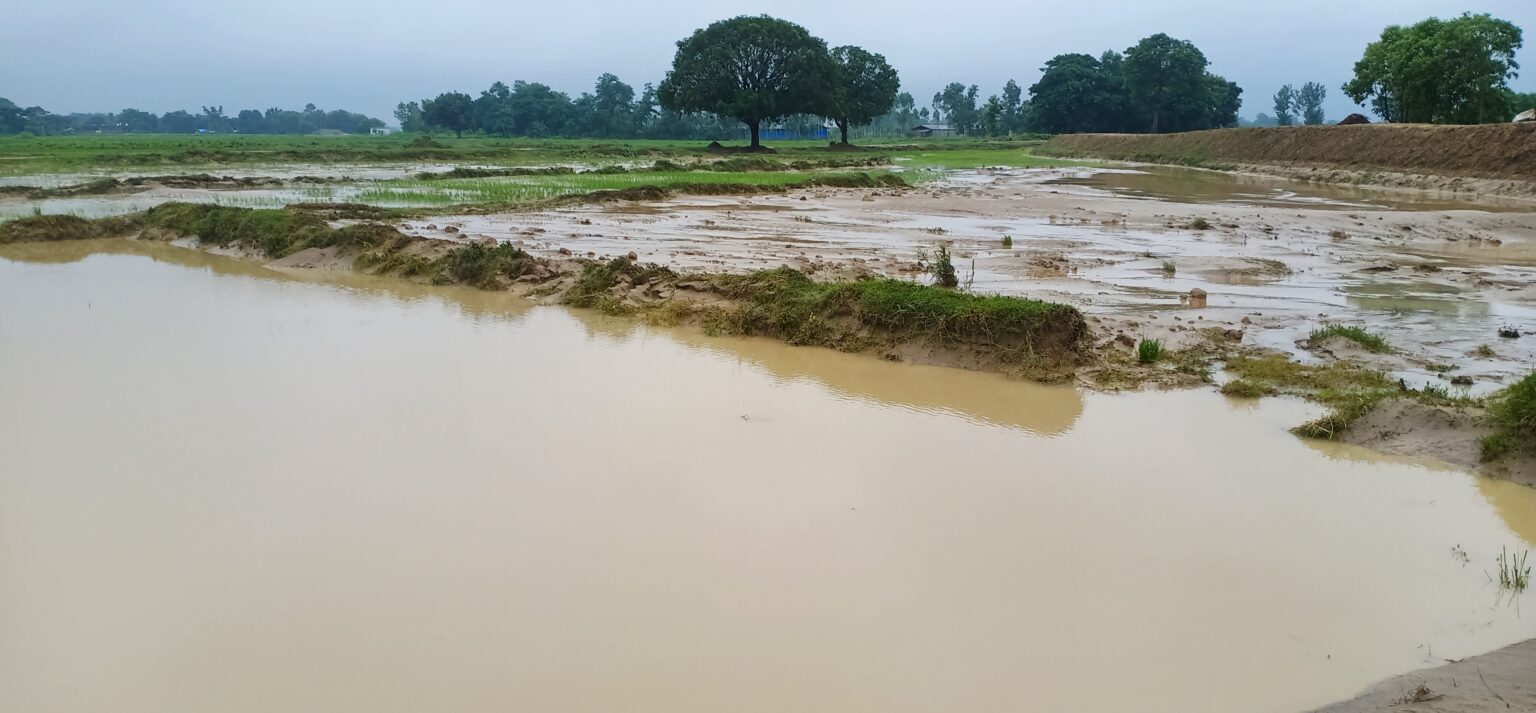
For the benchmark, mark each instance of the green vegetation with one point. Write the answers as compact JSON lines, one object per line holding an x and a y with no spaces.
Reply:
{"x":1512,"y":415}
{"x":1149,"y":351}
{"x":751,"y":69}
{"x":39,"y":121}
{"x":1372,"y":343}
{"x":1008,"y":241}
{"x":1243,"y":388}
{"x":1514,"y":573}
{"x":1327,"y":382}
{"x":1308,"y":102}
{"x":592,"y":287}
{"x":1440,"y":71}
{"x":1159,"y":85}
{"x":47,"y":228}
{"x":865,"y":88}
{"x":525,"y":189}
{"x":1347,"y":409}
{"x":1169,"y":269}
{"x":786,"y":303}
{"x":942,"y":267}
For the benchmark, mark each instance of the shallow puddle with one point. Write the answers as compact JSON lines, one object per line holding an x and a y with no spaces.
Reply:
{"x":227,"y":488}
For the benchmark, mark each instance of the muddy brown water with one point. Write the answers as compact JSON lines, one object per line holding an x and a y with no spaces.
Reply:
{"x":228,"y":488}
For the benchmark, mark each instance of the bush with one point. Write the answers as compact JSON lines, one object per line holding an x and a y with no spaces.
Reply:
{"x":943,"y":268}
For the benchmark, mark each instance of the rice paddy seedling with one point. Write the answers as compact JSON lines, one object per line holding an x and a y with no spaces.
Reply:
{"x":1149,"y":351}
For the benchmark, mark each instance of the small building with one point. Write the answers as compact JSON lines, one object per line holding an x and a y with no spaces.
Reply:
{"x":931,"y":130}
{"x":381,"y":130}
{"x":788,"y":132}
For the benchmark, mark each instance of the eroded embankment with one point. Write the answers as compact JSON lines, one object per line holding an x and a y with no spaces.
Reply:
{"x":1492,"y":158}
{"x":893,"y":318}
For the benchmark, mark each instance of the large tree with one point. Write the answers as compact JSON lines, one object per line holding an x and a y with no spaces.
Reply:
{"x":866,"y":88}
{"x":454,"y":111}
{"x":1075,"y":93}
{"x":1439,"y":71}
{"x":1166,"y":81}
{"x":752,"y":69}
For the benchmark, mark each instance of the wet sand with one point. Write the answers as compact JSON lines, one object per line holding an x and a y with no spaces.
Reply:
{"x":378,"y":496}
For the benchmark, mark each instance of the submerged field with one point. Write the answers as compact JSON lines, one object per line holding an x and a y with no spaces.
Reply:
{"x":631,"y":386}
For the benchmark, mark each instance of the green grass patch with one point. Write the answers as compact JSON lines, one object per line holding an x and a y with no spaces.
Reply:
{"x":1373,"y":343}
{"x":1149,"y":351}
{"x":593,"y":288}
{"x":1512,"y":414}
{"x":787,"y":304}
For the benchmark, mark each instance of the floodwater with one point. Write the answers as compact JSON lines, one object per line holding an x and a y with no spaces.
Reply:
{"x":228,"y":488}
{"x":1191,"y":185}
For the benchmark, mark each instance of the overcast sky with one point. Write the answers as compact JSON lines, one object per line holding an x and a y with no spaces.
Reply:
{"x":161,"y":55}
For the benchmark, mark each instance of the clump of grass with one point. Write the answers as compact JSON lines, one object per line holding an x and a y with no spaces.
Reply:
{"x":49,"y":228}
{"x":1328,"y":381}
{"x":1512,"y":415}
{"x":1509,"y":332}
{"x":1243,"y":388}
{"x":1346,"y":411}
{"x":1373,"y":343}
{"x":1514,"y":573}
{"x":943,"y":268}
{"x":1200,"y":224}
{"x":1007,"y":241}
{"x":1169,"y":269}
{"x":788,"y":304}
{"x":484,"y":267}
{"x":1438,"y":395}
{"x":1483,"y":351}
{"x":1149,"y":351}
{"x":593,"y":289}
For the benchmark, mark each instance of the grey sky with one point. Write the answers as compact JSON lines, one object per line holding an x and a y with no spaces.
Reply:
{"x":160,"y":55}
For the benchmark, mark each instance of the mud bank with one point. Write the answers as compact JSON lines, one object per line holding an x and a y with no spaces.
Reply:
{"x":1503,"y":680}
{"x":1495,"y":159}
{"x":778,"y":264}
{"x":898,"y":320}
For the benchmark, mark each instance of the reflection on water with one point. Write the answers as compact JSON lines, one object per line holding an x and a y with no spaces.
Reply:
{"x":1188,"y":185}
{"x":227,"y":488}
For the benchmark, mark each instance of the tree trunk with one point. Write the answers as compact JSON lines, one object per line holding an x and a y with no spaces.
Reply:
{"x":756,"y":127}
{"x":458,"y":133}
{"x":842,"y":126}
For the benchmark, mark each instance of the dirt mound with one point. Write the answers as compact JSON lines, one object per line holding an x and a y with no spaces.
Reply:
{"x":1354,"y":120}
{"x":1497,"y":151}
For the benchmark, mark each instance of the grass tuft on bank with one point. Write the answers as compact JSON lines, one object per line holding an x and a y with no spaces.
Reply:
{"x":1512,"y":415}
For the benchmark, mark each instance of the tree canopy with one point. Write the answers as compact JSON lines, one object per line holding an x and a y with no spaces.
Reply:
{"x":865,"y":89}
{"x":753,"y":69}
{"x":1440,"y":71}
{"x":1159,"y":85}
{"x":454,"y":111}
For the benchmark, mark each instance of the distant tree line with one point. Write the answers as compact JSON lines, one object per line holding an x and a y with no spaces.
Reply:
{"x":36,"y":120}
{"x":1306,"y":102}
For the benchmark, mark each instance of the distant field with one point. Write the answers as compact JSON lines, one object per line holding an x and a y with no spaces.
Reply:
{"x":179,"y":152}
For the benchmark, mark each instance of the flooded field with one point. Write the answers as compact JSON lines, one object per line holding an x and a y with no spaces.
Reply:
{"x":224,"y":487}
